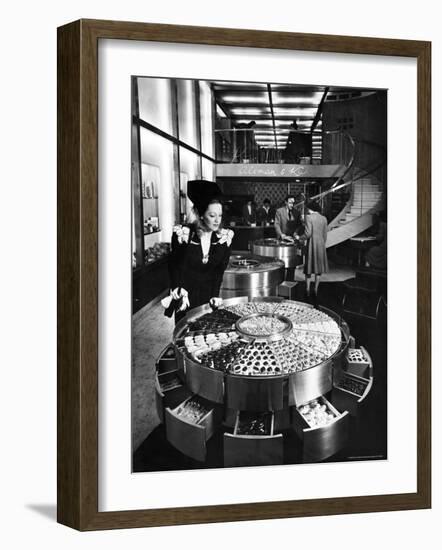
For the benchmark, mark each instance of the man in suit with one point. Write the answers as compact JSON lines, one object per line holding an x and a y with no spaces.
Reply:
{"x":265,"y":214}
{"x":249,"y":213}
{"x":287,"y":219}
{"x":287,"y":223}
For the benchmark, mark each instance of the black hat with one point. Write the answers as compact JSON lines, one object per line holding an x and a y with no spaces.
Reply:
{"x":202,"y":193}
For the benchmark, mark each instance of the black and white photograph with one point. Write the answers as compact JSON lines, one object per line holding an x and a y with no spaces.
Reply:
{"x":259,"y":274}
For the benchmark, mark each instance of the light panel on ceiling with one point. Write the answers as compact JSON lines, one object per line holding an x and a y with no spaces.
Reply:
{"x":245,"y":98}
{"x":294,"y":112}
{"x":296,"y":98}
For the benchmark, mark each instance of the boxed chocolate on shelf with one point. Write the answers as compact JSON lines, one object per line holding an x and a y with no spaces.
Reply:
{"x":358,"y":362}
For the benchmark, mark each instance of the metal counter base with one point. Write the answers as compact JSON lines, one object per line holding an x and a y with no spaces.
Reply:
{"x":268,"y":416}
{"x":252,"y":276}
{"x":289,"y":253}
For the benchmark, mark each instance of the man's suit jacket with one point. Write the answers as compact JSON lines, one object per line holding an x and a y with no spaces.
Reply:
{"x":248,"y":217}
{"x":282,"y":223}
{"x":264,"y":216}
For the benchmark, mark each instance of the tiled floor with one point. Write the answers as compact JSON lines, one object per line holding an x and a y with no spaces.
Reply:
{"x":151,"y":332}
{"x":334,"y":275}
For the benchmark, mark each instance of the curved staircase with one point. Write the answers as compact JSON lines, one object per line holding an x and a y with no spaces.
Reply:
{"x":366,"y":200}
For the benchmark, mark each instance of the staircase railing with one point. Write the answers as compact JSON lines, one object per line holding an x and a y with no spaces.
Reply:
{"x":353,"y":174}
{"x":340,"y":182}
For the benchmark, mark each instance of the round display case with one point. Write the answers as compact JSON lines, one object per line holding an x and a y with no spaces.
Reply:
{"x":252,"y":276}
{"x":257,"y":370}
{"x":289,"y":253}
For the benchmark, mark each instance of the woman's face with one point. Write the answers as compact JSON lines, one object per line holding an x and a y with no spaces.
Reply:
{"x":212,"y":217}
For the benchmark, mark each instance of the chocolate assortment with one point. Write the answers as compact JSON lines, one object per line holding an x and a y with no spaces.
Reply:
{"x":220,"y":319}
{"x":317,"y":413}
{"x":256,"y":359}
{"x":320,"y":343}
{"x":225,"y":357}
{"x":352,"y":385}
{"x":200,"y":345}
{"x":262,"y":324}
{"x":356,"y":355}
{"x":170,"y":384}
{"x":262,"y":338}
{"x":254,"y":424}
{"x":193,"y":410}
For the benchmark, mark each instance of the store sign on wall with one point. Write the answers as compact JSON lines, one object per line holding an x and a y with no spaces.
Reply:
{"x":279,"y":170}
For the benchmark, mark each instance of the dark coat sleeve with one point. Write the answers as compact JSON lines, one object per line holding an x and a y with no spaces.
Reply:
{"x":176,"y":261}
{"x":219,"y":272}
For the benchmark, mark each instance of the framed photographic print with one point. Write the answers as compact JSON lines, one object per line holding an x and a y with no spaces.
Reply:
{"x":244,"y":275}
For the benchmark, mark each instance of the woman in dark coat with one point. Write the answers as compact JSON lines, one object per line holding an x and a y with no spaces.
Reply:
{"x":200,"y":251}
{"x":316,"y":256}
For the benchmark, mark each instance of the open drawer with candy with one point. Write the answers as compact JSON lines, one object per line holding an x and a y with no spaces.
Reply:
{"x":321,"y":427}
{"x":358,"y":362}
{"x":169,"y":391}
{"x":169,"y":385}
{"x":350,"y":391}
{"x":253,"y":442}
{"x":191,"y":424}
{"x":167,"y":361}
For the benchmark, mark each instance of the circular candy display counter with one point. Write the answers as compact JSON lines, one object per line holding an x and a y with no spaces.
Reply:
{"x":258,"y":371}
{"x":252,"y":276}
{"x":289,"y":253}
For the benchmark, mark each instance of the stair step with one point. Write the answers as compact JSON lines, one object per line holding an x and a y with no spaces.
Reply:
{"x":367,"y":191}
{"x":367,"y":194}
{"x":366,"y":186}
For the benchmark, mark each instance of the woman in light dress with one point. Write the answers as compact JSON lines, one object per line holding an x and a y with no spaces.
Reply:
{"x":315,"y":231}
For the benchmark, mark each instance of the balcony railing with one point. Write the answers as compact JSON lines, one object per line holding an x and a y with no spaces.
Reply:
{"x":246,"y":146}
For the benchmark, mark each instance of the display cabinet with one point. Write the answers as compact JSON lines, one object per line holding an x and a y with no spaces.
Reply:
{"x":263,"y":373}
{"x":289,"y":252}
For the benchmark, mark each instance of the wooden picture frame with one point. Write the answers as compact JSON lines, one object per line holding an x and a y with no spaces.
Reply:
{"x":78,"y":274}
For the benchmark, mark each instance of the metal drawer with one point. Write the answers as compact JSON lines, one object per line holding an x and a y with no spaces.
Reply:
{"x":169,"y":392}
{"x":358,"y":362}
{"x":325,"y":440}
{"x":204,"y":381}
{"x":349,"y":391}
{"x":253,"y":449}
{"x":189,"y":433}
{"x":310,"y":383}
{"x":254,"y":393}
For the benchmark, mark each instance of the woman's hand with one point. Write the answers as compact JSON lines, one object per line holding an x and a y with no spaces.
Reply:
{"x":176,"y":293}
{"x":215,"y":303}
{"x":181,"y":294}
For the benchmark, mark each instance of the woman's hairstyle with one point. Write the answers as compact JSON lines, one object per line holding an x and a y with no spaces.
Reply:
{"x":202,"y":193}
{"x":313,"y":205}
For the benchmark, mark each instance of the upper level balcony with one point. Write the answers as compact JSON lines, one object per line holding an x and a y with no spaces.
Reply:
{"x":284,"y":153}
